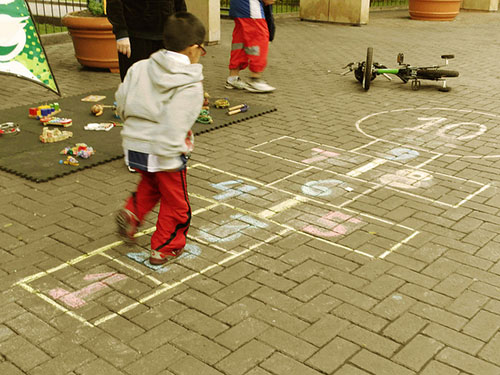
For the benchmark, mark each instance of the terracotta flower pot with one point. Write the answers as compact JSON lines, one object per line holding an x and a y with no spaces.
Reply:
{"x":93,"y":40}
{"x":434,"y":10}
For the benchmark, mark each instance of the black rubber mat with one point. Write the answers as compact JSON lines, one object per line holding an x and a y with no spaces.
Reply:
{"x":25,"y":156}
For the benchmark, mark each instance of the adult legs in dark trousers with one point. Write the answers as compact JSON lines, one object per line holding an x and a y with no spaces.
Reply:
{"x":140,"y":49}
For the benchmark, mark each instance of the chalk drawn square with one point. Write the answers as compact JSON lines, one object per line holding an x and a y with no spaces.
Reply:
{"x":307,"y":153}
{"x":435,"y":187}
{"x":307,"y":214}
{"x":325,"y":186}
{"x":351,"y":230}
{"x":389,"y":173}
{"x":406,"y":156}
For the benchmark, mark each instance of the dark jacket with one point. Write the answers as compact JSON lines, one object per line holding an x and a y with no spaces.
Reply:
{"x":141,"y":18}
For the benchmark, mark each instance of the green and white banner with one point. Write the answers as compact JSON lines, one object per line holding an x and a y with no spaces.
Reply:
{"x":21,"y":51}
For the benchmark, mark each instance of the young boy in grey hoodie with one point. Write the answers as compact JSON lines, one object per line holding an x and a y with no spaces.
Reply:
{"x":159,"y":101}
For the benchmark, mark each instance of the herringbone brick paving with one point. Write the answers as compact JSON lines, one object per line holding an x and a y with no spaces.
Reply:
{"x":258,"y":294}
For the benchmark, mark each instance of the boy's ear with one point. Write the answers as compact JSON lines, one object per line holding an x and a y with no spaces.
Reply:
{"x":192,"y":53}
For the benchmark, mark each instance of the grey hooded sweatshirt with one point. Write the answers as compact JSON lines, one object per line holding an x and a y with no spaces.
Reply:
{"x":159,"y":101}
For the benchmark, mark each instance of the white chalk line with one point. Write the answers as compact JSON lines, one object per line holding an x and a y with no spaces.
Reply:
{"x":98,"y":251}
{"x":291,"y":229}
{"x":370,"y":166}
{"x":287,"y":177}
{"x":54,"y":303}
{"x":163,"y":287}
{"x":358,"y":127}
{"x":437,"y":155}
{"x":304,"y":198}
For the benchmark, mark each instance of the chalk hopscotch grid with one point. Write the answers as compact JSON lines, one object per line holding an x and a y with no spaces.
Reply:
{"x":375,"y":139}
{"x":298,"y":198}
{"x":164,"y":287}
{"x":377,"y":161}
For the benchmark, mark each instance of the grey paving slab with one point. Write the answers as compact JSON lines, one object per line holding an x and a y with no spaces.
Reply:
{"x":349,"y":232}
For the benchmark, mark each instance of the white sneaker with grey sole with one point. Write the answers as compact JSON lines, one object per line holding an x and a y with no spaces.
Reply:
{"x":236,"y":83}
{"x":259,"y":85}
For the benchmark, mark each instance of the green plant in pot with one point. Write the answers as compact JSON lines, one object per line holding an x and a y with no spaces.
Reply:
{"x":92,"y":35}
{"x":96,"y":7}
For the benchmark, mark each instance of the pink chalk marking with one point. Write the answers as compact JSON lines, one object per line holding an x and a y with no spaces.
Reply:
{"x":76,"y":299}
{"x":336,"y":229}
{"x":322,"y":155}
{"x":58,"y":293}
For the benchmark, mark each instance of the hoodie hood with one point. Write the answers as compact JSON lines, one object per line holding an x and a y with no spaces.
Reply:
{"x":166,"y":72}
{"x":151,"y":83}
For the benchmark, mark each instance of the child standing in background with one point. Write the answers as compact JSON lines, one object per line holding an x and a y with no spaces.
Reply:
{"x":249,"y":45}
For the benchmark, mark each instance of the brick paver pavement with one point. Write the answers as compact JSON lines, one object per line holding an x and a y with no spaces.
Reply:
{"x":348,"y":233}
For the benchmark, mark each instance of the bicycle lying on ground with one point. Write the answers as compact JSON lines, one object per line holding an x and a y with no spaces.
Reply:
{"x":366,"y":71}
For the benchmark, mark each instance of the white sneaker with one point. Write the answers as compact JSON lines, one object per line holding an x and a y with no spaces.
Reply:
{"x":236,"y":83}
{"x":259,"y":85}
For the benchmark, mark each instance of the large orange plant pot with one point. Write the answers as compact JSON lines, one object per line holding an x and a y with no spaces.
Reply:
{"x":434,"y":10}
{"x":93,"y":40}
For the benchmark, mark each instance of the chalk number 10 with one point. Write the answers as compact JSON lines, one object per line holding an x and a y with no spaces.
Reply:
{"x":442,"y":130}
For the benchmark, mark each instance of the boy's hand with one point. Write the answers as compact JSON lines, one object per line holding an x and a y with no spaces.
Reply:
{"x":123,"y":46}
{"x":268,"y":2}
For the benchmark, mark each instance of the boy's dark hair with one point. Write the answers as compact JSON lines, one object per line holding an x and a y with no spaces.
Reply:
{"x":182,"y":30}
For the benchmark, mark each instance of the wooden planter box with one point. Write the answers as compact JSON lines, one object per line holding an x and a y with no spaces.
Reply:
{"x":93,"y":40}
{"x":486,"y":5}
{"x":354,"y":12}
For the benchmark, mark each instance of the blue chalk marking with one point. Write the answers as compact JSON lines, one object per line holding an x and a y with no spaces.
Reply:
{"x":230,"y":192}
{"x":190,"y":252}
{"x":143,"y":258}
{"x":318,"y":188}
{"x":401,"y":154}
{"x":138,"y":257}
{"x":249,"y":220}
{"x":214,"y":239}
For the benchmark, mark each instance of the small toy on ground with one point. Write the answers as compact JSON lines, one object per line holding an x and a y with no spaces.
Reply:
{"x":56,"y":121}
{"x":9,"y":128}
{"x":54,"y":135}
{"x":46,"y":110}
{"x":366,"y":71}
{"x":237,"y":109}
{"x":222,"y":103}
{"x":106,"y":126}
{"x":79,"y":150}
{"x":70,"y":160}
{"x":98,"y":109}
{"x":204,"y":117}
{"x":115,"y":111}
{"x":206,"y":101}
{"x":93,"y":98}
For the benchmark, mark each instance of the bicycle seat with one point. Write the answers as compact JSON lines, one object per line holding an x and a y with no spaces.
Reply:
{"x":447,"y":56}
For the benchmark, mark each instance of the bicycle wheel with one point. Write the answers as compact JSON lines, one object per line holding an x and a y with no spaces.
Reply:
{"x":436,"y":73}
{"x":367,"y":77}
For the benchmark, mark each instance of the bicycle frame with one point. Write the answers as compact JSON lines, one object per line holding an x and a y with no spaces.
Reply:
{"x":368,"y":70}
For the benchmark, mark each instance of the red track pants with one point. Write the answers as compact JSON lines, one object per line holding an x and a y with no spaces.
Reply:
{"x":170,"y":189}
{"x":250,"y":44}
